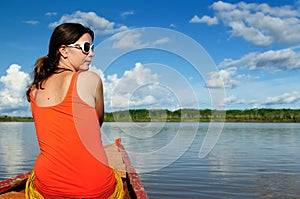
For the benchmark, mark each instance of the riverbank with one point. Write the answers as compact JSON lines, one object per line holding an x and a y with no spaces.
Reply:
{"x":191,"y":115}
{"x":15,"y":119}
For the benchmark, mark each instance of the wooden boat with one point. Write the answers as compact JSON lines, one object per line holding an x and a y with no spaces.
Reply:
{"x":117,"y":157}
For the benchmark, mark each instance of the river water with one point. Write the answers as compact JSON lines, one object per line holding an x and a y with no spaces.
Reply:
{"x":249,"y":160}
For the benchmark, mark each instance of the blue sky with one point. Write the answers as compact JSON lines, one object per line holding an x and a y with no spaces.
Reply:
{"x":164,"y":54}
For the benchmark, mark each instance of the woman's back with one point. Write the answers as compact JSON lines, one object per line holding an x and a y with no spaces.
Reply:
{"x":55,"y":89}
{"x":72,"y":160}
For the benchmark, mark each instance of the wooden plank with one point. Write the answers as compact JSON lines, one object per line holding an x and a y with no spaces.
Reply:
{"x":13,"y":195}
{"x":13,"y":182}
{"x":115,"y":160}
{"x":134,"y":178}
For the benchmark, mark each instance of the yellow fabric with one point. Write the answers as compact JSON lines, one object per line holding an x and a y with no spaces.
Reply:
{"x":30,"y":191}
{"x":119,"y":190}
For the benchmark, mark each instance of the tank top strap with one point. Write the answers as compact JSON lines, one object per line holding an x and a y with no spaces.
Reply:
{"x":31,"y":96}
{"x":72,"y":85}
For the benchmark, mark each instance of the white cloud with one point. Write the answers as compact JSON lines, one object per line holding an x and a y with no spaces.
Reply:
{"x":205,"y":19}
{"x":127,"y":13}
{"x":228,"y":100}
{"x":285,"y":98}
{"x":134,"y":88}
{"x":50,"y":14}
{"x":226,"y":78}
{"x":32,"y":22}
{"x":12,"y":93}
{"x":134,"y":40}
{"x":143,"y":87}
{"x":127,"y":40}
{"x":99,"y":25}
{"x":220,"y":5}
{"x":259,"y":24}
{"x":275,"y":60}
{"x":161,"y":41}
{"x":250,"y":34}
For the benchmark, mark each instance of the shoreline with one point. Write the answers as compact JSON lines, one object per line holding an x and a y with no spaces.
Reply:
{"x":262,"y":115}
{"x":187,"y":121}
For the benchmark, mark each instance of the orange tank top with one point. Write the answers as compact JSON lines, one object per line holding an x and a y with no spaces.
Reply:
{"x":72,"y":161}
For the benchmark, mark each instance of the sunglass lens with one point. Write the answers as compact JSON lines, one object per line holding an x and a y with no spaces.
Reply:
{"x":86,"y":47}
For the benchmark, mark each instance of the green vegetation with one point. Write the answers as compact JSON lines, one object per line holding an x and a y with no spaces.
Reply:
{"x":206,"y":115}
{"x":6,"y":118}
{"x":264,"y":115}
{"x":192,"y":115}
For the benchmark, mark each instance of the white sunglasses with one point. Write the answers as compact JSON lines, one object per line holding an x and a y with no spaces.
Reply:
{"x":85,"y":47}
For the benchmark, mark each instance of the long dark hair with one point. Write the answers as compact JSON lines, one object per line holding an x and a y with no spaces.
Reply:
{"x":64,"y":34}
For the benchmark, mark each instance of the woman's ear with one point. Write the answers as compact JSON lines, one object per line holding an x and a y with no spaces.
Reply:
{"x":63,"y":51}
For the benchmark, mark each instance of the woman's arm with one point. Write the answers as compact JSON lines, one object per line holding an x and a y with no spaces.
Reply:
{"x":99,"y":102}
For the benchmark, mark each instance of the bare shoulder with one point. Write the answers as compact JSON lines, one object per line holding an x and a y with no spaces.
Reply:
{"x":89,"y":85}
{"x":89,"y":77}
{"x":89,"y":74}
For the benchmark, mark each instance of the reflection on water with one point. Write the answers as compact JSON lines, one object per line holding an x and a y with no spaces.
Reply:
{"x":18,"y":148}
{"x":11,"y":147}
{"x":250,"y":160}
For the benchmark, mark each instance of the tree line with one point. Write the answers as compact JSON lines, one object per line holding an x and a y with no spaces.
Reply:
{"x":206,"y":115}
{"x":191,"y":115}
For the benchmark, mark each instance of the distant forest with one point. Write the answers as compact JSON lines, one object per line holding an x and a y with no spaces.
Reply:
{"x":192,"y":115}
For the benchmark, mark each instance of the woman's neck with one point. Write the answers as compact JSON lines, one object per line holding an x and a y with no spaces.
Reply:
{"x":66,"y":67}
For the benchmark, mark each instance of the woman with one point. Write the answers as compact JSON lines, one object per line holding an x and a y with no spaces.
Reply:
{"x":68,"y":110}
